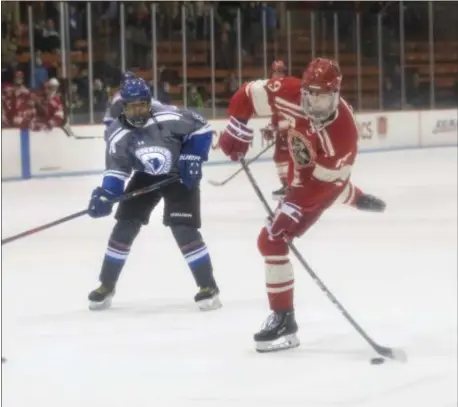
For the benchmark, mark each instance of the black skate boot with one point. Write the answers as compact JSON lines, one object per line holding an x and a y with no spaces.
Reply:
{"x":278,"y":333}
{"x":207,"y":299}
{"x":100,"y":298}
{"x":280,"y":193}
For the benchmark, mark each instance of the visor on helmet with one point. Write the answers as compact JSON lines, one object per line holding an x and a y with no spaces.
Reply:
{"x":319,"y":105}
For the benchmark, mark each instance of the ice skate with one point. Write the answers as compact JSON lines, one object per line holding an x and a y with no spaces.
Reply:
{"x":278,"y":333}
{"x":279,"y":193}
{"x":207,"y":299}
{"x":100,"y":298}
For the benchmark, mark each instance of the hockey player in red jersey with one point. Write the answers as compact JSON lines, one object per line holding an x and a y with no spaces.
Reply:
{"x":272,"y":132}
{"x":322,"y":141}
{"x":50,"y":110}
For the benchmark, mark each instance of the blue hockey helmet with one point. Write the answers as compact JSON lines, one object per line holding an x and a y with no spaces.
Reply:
{"x":126,"y":76}
{"x":136,"y":97}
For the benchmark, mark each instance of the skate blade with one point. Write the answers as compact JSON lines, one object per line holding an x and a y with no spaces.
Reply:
{"x":282,"y":343}
{"x":100,"y":306}
{"x":277,"y":197}
{"x":209,"y":304}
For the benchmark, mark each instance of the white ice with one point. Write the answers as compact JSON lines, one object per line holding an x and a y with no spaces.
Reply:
{"x":395,"y":272}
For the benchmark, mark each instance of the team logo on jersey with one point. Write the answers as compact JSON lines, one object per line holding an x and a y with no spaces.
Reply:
{"x":156,"y":160}
{"x":300,"y":149}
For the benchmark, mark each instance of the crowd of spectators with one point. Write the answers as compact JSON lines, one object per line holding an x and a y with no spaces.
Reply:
{"x":138,"y":26}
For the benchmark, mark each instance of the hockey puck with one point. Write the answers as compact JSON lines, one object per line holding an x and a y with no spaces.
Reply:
{"x":377,"y":361}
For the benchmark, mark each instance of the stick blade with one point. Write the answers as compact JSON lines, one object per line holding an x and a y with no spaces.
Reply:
{"x":399,"y":355}
{"x":216,"y":183}
{"x":396,"y":354}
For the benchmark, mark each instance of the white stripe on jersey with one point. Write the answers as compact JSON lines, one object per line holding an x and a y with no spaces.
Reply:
{"x":155,"y":103}
{"x":284,"y":109}
{"x":117,"y":96}
{"x":337,"y":175}
{"x":114,"y":140}
{"x":296,"y":108}
{"x":206,"y":129}
{"x":327,"y":141}
{"x":116,"y":174}
{"x":167,"y":116}
{"x":115,"y":132}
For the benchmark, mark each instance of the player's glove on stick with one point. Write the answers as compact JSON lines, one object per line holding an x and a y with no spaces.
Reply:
{"x":236,"y":139}
{"x":268,"y":133}
{"x":190,"y":166}
{"x":100,"y":204}
{"x":370,"y":203}
{"x":287,"y":221}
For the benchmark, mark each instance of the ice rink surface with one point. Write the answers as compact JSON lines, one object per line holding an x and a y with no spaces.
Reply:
{"x":395,"y":272}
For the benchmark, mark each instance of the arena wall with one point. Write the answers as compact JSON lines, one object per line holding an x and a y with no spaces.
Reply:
{"x":50,"y":154}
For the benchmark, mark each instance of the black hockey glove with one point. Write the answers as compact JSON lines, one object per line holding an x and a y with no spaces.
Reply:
{"x":370,"y":203}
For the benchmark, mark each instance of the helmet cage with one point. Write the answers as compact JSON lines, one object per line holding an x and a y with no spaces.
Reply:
{"x":137,"y":112}
{"x":319,"y":105}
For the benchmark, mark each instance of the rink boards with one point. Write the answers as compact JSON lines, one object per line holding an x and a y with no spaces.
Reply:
{"x":31,"y":154}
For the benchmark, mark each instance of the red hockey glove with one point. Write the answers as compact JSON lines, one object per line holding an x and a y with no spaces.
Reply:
{"x":287,"y":221}
{"x":236,"y":139}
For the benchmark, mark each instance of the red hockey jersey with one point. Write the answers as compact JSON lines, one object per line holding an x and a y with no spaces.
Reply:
{"x":321,"y":156}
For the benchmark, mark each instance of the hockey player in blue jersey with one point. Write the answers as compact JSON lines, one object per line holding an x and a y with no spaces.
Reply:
{"x":154,"y":146}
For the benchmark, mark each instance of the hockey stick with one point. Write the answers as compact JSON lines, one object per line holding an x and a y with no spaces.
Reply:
{"x":70,"y":134}
{"x":225,"y":181}
{"x":75,"y":215}
{"x":392,"y":353}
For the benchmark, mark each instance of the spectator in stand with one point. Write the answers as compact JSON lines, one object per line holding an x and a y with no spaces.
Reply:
{"x":9,"y":66}
{"x":271,"y":20}
{"x":232,"y":84}
{"x":76,"y":24}
{"x":391,"y":95}
{"x":49,"y":108}
{"x":202,"y":12}
{"x":137,"y":34}
{"x":163,"y":93}
{"x":100,"y":96}
{"x":51,"y":39}
{"x":195,"y":99}
{"x":17,"y":104}
{"x":252,"y":26}
{"x":225,"y":50}
{"x":163,"y":89}
{"x":40,"y":76}
{"x":418,"y":93}
{"x":75,"y":100}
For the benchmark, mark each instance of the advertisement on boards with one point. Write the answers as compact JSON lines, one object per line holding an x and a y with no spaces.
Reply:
{"x":380,"y":131}
{"x":439,"y":127}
